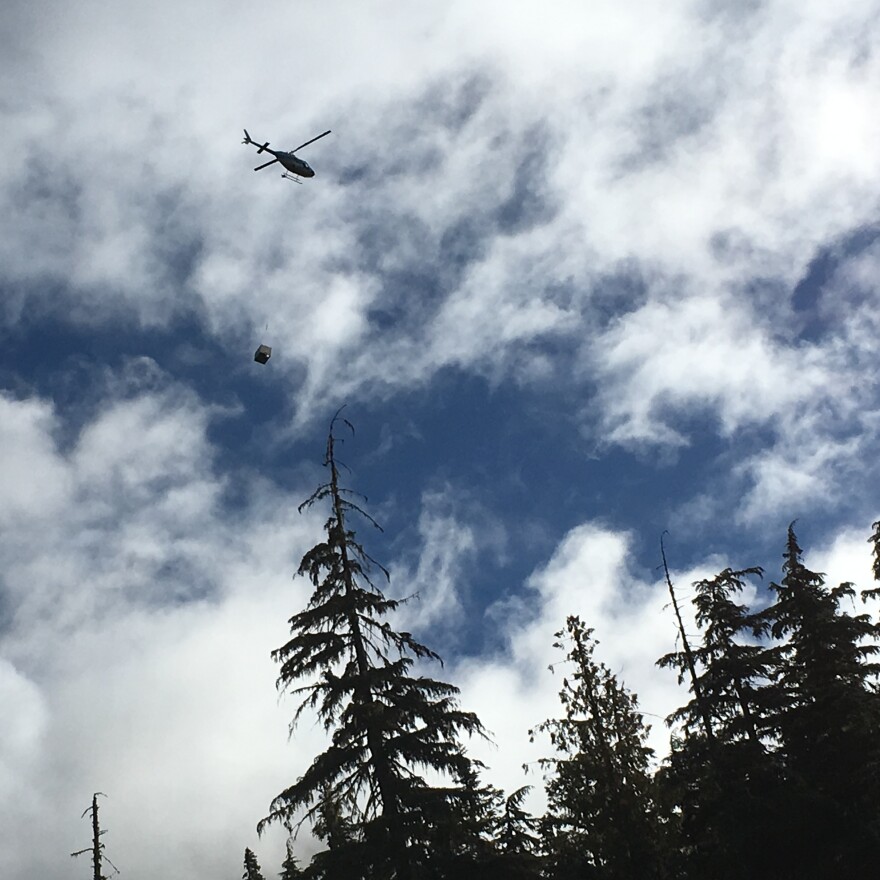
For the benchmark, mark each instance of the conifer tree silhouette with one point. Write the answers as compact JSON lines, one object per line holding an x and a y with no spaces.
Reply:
{"x":602,"y":820}
{"x":387,"y":726}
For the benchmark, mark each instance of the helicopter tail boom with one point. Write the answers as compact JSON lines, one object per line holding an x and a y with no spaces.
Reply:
{"x":249,"y":140}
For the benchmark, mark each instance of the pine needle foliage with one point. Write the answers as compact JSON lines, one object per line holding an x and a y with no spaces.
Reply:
{"x":726,"y":792}
{"x":827,"y":712}
{"x":788,"y":787}
{"x":731,"y":663}
{"x":350,"y":667}
{"x":516,"y":840}
{"x":874,"y":541}
{"x":290,"y":869}
{"x":602,"y":820}
{"x":251,"y":867}
{"x":516,"y":827}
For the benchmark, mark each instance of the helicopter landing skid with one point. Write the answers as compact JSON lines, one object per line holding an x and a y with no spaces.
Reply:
{"x":288,"y":176}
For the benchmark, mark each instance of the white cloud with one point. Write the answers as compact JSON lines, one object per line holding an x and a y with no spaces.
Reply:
{"x":453,"y":535}
{"x":131,"y":499}
{"x":22,"y":732}
{"x":34,"y":480}
{"x":702,"y":351}
{"x":845,"y":557}
{"x":138,"y":620}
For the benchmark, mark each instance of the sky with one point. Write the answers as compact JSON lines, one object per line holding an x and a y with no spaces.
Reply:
{"x":579,"y":273}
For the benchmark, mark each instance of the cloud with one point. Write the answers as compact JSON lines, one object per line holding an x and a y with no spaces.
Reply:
{"x":845,"y":557}
{"x":22,"y":732}
{"x":126,"y":509}
{"x":35,"y":482}
{"x":138,"y":617}
{"x":121,"y":677}
{"x":706,"y":352}
{"x":456,"y":536}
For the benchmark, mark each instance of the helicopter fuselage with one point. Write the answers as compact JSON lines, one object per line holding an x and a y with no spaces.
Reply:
{"x":290,"y":161}
{"x":294,"y":164}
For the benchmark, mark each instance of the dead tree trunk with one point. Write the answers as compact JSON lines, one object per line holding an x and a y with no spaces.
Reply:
{"x":96,"y":848}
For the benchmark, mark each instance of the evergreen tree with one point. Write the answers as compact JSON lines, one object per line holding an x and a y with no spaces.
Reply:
{"x":387,"y":725}
{"x":516,"y":840}
{"x":343,"y":856}
{"x":290,"y":869}
{"x":457,"y":822}
{"x":875,"y":541}
{"x":827,"y":717}
{"x":251,"y":867}
{"x":728,"y":790}
{"x":602,"y":821}
{"x":487,"y":837}
{"x":788,"y":784}
{"x":731,"y":664}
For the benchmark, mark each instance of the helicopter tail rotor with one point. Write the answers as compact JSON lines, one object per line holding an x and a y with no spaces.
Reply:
{"x":249,"y":140}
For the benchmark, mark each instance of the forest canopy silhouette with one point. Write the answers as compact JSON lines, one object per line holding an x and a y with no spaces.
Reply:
{"x":774,"y":758}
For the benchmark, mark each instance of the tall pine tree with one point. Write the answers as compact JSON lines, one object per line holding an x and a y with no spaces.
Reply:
{"x":516,"y":840}
{"x":827,"y":716}
{"x":602,"y":820}
{"x":290,"y":869}
{"x":731,"y":664}
{"x":251,"y":867}
{"x":387,"y":726}
{"x":788,"y":784}
{"x":728,"y":791}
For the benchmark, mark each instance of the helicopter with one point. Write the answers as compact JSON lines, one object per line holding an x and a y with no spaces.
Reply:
{"x":295,"y":167}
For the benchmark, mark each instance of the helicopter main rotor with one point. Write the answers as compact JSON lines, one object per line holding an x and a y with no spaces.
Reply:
{"x":311,"y":141}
